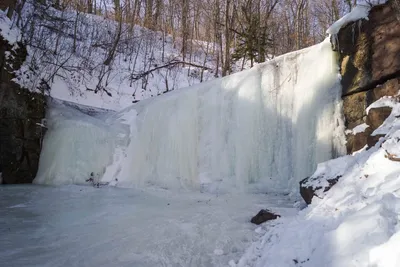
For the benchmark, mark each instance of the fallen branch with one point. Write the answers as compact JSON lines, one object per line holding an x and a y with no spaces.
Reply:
{"x":391,"y":157}
{"x":139,"y":76}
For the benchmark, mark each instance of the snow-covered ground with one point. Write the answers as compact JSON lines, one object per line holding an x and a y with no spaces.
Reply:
{"x":85,"y":226}
{"x":356,"y":223}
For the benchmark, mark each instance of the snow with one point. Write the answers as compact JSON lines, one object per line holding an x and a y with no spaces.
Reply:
{"x":361,"y":11}
{"x":85,"y":226}
{"x":358,"y":129}
{"x":11,"y":34}
{"x":263,"y":129}
{"x":355,"y":223}
{"x":74,"y":70}
{"x":386,"y":101}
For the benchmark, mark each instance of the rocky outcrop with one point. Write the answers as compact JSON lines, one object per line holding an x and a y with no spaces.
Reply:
{"x":374,"y":119}
{"x":21,"y":113}
{"x":369,"y":60}
{"x":263,"y":216}
{"x":308,"y":188}
{"x":369,"y":57}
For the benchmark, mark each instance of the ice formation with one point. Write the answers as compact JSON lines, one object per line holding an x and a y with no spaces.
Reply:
{"x":264,"y":128}
{"x":361,"y":11}
{"x":76,"y":147}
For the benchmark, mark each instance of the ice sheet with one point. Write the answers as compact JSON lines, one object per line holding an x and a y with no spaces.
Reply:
{"x":85,"y":226}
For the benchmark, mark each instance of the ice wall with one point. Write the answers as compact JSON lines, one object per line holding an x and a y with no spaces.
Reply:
{"x":76,"y":146}
{"x":266,"y":128}
{"x":261,"y":129}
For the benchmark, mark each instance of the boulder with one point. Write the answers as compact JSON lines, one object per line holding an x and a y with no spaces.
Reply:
{"x":373,"y":139}
{"x":263,"y":216}
{"x":376,"y":116}
{"x":308,"y":187}
{"x":388,"y":88}
{"x":357,"y":141}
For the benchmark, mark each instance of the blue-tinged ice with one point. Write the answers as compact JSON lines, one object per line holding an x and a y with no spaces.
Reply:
{"x":261,"y":129}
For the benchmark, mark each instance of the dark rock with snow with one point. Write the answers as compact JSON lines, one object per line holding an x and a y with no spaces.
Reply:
{"x":376,"y":116}
{"x":357,"y":141}
{"x":373,"y":139}
{"x":21,"y":113}
{"x":308,"y":187}
{"x":369,"y":59}
{"x":263,"y":216}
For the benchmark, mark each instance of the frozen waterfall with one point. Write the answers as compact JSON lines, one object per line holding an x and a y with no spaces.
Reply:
{"x":261,"y":129}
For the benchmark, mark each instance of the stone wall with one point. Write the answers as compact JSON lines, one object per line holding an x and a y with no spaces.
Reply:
{"x":20,"y":113}
{"x":369,"y":57}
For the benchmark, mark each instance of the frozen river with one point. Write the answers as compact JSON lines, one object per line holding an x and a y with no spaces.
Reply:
{"x":86,"y":226}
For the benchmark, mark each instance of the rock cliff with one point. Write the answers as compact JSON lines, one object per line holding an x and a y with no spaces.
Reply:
{"x":21,"y":113}
{"x":369,"y":58}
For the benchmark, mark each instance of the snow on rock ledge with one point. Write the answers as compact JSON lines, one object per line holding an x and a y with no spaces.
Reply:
{"x":361,"y":11}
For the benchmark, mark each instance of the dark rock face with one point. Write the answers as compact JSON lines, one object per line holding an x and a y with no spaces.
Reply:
{"x":263,"y":216}
{"x":354,"y":109}
{"x":307,"y":190}
{"x":374,"y":119}
{"x":21,"y":113}
{"x":370,"y":50}
{"x":358,"y":141}
{"x":369,"y":57}
{"x":376,"y":116}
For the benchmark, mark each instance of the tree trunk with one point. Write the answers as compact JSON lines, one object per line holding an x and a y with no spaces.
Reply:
{"x":148,"y":17}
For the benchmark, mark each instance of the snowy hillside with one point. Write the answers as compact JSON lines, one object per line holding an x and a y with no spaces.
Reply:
{"x":69,"y":56}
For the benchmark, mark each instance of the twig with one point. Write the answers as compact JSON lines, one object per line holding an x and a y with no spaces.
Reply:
{"x":391,"y":157}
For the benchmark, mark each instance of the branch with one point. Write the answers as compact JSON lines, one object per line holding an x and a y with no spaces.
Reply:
{"x":138,"y":76}
{"x":391,"y":157}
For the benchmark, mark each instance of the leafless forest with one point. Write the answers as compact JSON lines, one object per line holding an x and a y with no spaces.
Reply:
{"x":228,"y":34}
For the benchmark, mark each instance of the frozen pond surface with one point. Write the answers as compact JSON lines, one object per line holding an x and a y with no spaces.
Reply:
{"x":86,"y":226}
